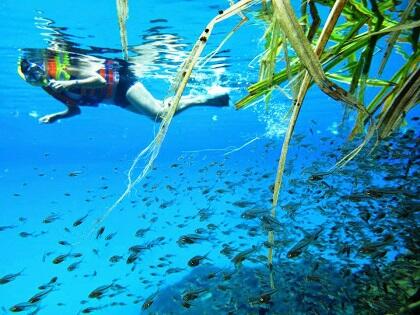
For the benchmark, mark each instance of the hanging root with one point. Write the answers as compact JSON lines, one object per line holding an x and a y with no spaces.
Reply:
{"x":150,"y":153}
{"x":122,"y":11}
{"x":242,"y":146}
{"x":231,"y":149}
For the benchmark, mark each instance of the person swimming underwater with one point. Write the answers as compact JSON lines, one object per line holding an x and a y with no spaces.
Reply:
{"x":77,"y":82}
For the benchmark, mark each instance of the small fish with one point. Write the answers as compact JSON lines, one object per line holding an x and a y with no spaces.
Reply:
{"x":51,"y":218}
{"x":138,"y":248}
{"x":149,"y":301}
{"x":195,"y":261}
{"x":60,"y":258}
{"x":379,"y":254}
{"x":270,"y":223}
{"x":170,"y":188}
{"x":186,"y":304}
{"x":300,"y":246}
{"x":253,"y":214}
{"x":64,"y":243}
{"x":212,"y":275}
{"x":174,"y":270}
{"x":200,"y":231}
{"x":156,"y":242}
{"x":243,"y":204}
{"x":142,"y":232}
{"x":318,"y":176}
{"x":374,"y":247}
{"x":99,"y":291}
{"x":378,"y":230}
{"x":39,"y":296}
{"x":26,"y":234}
{"x":227,"y":251}
{"x":192,"y":295}
{"x":91,"y":309}
{"x":190,"y":239}
{"x":161,"y":265}
{"x":100,"y":232}
{"x":212,"y":226}
{"x":263,"y":298}
{"x":110,"y":236}
{"x":239,"y":258}
{"x":162,"y":21}
{"x":74,"y":173}
{"x":115,"y":258}
{"x":21,"y":307}
{"x":74,"y":266}
{"x":80,"y":220}
{"x":7,"y":227}
{"x":49,"y":284}
{"x":132,"y":257}
{"x":227,"y":276}
{"x":375,"y":192}
{"x":10,"y":277}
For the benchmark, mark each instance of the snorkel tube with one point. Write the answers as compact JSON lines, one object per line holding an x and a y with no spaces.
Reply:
{"x":19,"y":70}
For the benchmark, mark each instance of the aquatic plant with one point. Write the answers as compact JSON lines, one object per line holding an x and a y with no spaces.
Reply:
{"x":122,"y":12}
{"x":347,"y":59}
{"x":344,"y":51}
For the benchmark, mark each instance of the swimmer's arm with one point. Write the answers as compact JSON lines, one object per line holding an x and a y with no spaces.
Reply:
{"x":90,"y":80}
{"x":71,"y":111}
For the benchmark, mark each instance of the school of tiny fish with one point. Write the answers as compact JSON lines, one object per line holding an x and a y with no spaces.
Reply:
{"x":345,"y":243}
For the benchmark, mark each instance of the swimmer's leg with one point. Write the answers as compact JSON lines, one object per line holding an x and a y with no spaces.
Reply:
{"x":199,"y":100}
{"x":203,"y":100}
{"x":143,"y":102}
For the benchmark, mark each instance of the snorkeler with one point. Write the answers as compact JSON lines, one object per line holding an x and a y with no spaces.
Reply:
{"x":88,"y":82}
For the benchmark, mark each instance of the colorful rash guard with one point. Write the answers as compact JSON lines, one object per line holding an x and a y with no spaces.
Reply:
{"x":116,"y":73}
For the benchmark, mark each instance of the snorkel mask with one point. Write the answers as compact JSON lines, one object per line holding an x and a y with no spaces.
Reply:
{"x":32,"y":72}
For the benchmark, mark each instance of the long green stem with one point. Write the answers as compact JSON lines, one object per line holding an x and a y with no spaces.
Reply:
{"x":323,"y":39}
{"x":394,"y":36}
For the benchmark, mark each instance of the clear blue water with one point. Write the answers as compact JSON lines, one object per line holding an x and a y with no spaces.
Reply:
{"x":99,"y":146}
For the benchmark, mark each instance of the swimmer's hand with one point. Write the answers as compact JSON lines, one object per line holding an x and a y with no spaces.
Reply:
{"x":71,"y":111}
{"x":61,"y":85}
{"x":48,"y":119}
